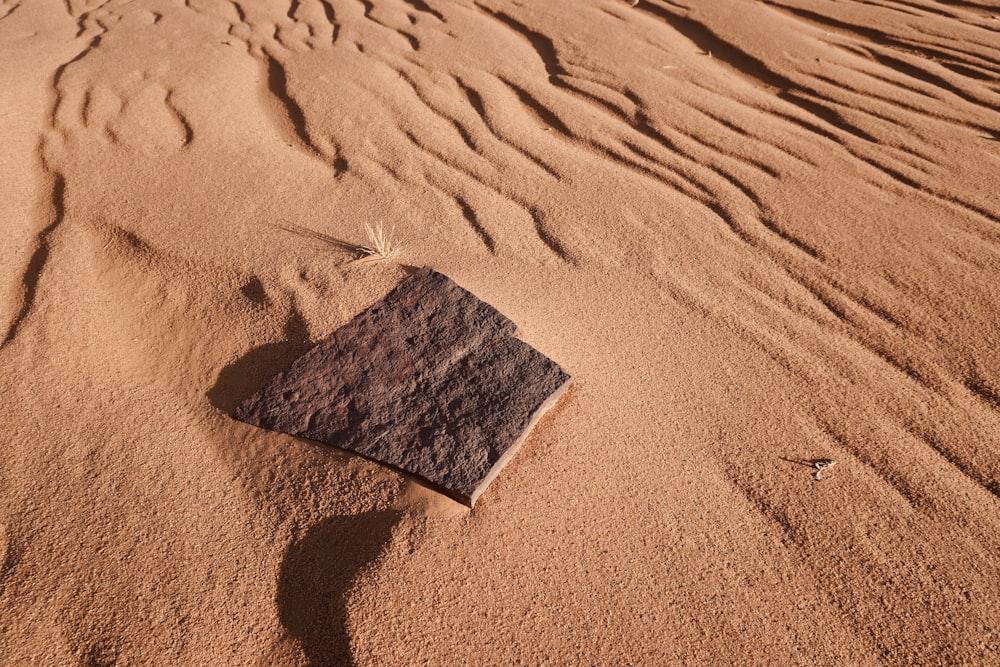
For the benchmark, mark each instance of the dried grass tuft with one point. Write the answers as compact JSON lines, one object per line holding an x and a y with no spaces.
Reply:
{"x":381,"y":245}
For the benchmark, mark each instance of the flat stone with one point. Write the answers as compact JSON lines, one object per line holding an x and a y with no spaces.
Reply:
{"x":430,"y":380}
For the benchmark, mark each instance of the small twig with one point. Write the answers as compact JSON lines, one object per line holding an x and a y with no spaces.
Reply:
{"x":821,"y":465}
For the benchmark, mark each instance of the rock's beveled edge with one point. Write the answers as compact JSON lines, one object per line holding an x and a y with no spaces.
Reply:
{"x":505,"y":458}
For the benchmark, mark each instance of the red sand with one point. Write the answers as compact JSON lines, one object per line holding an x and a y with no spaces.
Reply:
{"x":755,"y":233}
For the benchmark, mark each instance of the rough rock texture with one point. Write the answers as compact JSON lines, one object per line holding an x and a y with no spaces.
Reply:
{"x":429,"y":380}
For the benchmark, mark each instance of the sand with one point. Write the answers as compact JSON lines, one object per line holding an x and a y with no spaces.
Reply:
{"x":756,"y":233}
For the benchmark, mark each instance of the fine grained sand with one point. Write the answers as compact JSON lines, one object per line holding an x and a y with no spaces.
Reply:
{"x":756,"y":234}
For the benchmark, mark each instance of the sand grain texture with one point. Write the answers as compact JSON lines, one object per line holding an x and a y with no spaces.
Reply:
{"x":755,"y":233}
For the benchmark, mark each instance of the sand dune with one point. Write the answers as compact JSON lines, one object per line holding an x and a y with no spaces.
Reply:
{"x":756,"y":234}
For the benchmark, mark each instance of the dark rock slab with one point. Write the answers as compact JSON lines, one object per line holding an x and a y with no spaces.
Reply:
{"x":429,"y":380}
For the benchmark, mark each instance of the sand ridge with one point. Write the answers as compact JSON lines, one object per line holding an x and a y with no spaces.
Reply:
{"x":756,"y":234}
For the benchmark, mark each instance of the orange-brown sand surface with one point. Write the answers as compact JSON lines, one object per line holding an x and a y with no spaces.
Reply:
{"x":757,"y":234}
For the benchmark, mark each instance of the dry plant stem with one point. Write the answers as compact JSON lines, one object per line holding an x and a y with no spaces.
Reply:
{"x":821,"y":465}
{"x":381,"y":245}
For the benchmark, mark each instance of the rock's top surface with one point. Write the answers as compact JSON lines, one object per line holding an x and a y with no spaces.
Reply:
{"x":429,"y":380}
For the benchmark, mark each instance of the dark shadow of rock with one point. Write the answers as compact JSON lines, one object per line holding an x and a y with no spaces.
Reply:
{"x":240,"y":379}
{"x":316,"y":576}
